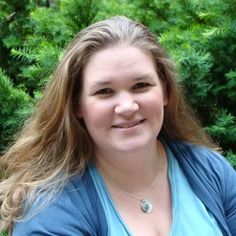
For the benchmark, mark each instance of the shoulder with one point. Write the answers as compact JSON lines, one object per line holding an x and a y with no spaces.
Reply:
{"x":199,"y":157}
{"x":212,"y":178}
{"x":74,"y":211}
{"x":208,"y":172}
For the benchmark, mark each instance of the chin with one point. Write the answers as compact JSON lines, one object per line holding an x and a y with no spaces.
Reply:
{"x":134,"y":146}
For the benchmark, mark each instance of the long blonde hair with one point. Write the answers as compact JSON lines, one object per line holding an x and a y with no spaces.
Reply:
{"x":54,"y":144}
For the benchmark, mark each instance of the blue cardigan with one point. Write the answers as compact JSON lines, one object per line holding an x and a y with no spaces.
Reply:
{"x":78,"y":211}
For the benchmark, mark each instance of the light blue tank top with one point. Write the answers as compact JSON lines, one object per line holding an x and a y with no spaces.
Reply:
{"x":189,"y":215}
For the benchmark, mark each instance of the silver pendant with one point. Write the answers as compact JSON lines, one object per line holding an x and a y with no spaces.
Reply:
{"x":146,"y":206}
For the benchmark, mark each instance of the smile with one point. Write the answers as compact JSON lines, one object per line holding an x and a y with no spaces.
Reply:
{"x":126,"y":125}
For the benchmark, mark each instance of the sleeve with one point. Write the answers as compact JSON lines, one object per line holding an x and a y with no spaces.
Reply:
{"x":230,"y":198}
{"x":55,"y":219}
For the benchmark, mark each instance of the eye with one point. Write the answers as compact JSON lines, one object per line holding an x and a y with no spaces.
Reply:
{"x":104,"y":91}
{"x":141,"y":85}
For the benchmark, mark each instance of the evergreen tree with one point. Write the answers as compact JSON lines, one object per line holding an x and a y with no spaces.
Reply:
{"x":199,"y":35}
{"x":15,"y":108}
{"x":31,"y":45}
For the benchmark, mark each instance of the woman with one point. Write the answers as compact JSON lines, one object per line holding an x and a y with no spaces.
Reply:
{"x":114,"y":150}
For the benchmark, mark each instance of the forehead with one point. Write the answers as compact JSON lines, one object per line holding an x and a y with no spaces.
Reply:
{"x":118,"y":62}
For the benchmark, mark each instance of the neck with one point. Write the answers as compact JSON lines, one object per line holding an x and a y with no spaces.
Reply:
{"x":131,"y":172}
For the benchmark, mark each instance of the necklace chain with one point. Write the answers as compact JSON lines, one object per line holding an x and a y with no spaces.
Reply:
{"x":147,"y":195}
{"x":145,"y":203}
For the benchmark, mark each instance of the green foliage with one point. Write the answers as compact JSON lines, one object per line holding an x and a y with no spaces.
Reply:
{"x":231,"y":158}
{"x":41,"y":48}
{"x":202,"y":44}
{"x":13,"y":17}
{"x":48,"y":31}
{"x":3,"y":233}
{"x":15,"y":108}
{"x":78,"y":13}
{"x":230,"y":87}
{"x":199,"y":35}
{"x":223,"y":129}
{"x":33,"y":37}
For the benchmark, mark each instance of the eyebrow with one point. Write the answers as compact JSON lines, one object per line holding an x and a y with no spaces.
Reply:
{"x":110,"y":80}
{"x":101,"y":83}
{"x":143,"y":77}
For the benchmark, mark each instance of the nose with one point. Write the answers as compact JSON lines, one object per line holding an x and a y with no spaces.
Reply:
{"x":126,"y":105}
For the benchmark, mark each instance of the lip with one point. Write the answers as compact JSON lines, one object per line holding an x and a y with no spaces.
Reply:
{"x":128,"y":125}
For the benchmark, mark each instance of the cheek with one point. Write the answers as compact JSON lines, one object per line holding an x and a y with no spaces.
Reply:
{"x":154,"y":101}
{"x":96,"y":114}
{"x":154,"y":109}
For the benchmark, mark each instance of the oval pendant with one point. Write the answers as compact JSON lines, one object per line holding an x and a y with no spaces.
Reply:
{"x":146,"y":206}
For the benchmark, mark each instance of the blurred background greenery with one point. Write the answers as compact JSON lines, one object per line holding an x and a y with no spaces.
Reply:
{"x":200,"y":36}
{"x":3,"y":233}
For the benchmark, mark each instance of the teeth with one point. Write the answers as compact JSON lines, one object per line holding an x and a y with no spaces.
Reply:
{"x":128,"y":125}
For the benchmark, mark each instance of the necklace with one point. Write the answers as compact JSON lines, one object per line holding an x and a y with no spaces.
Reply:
{"x":146,"y":204}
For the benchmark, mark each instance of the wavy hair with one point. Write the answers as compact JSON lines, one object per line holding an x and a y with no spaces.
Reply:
{"x":54,"y":144}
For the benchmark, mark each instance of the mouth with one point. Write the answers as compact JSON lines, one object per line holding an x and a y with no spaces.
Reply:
{"x":126,"y":125}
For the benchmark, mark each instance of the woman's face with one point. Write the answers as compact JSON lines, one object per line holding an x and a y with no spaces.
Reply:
{"x":122,"y":100}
